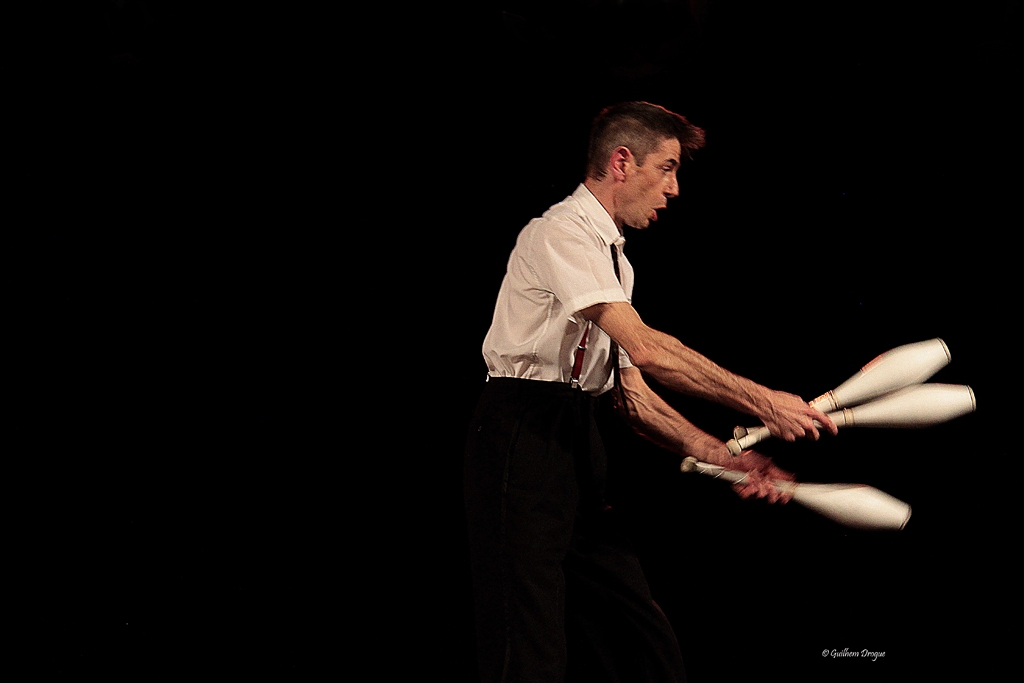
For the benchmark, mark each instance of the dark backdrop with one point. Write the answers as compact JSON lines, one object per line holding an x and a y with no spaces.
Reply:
{"x":263,"y":249}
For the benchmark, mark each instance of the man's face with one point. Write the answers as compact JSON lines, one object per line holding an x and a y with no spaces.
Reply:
{"x":649,"y":187}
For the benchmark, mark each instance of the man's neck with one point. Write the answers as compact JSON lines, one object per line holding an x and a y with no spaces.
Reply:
{"x":604,"y":194}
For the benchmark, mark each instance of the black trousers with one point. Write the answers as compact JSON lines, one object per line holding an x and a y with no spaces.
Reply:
{"x":559,"y":593}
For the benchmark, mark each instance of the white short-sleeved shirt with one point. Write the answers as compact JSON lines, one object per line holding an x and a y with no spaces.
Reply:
{"x":561,"y":264}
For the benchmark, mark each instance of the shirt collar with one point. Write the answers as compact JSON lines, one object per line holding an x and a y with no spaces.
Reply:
{"x":598,"y":215}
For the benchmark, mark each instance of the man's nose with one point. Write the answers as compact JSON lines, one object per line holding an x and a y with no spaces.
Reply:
{"x":673,"y":188}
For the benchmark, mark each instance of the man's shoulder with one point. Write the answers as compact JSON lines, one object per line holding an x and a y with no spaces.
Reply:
{"x":564,"y":219}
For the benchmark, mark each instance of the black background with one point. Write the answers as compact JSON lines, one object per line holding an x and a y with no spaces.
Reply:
{"x":263,"y":250}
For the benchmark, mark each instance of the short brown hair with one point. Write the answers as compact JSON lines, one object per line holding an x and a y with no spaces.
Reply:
{"x":640,"y":127}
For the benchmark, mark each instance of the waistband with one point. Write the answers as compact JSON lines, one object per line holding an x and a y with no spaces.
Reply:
{"x":531,"y":387}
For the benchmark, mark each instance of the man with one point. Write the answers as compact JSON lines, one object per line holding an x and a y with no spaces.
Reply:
{"x":558,"y":592}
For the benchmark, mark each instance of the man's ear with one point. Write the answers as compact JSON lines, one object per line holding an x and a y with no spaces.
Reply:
{"x":621,"y":158}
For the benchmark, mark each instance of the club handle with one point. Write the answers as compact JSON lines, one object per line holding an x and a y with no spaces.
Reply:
{"x":751,"y":436}
{"x":691,"y":464}
{"x":747,"y":437}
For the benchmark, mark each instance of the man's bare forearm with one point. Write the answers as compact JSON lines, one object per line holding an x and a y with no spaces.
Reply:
{"x":652,"y":417}
{"x":680,"y":368}
{"x":655,"y":419}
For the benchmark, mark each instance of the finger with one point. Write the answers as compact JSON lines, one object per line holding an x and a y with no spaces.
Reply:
{"x":812,"y":432}
{"x":829,"y":424}
{"x":825,"y":421}
{"x":762,"y":488}
{"x":793,"y":434}
{"x":747,"y":491}
{"x":743,"y":490}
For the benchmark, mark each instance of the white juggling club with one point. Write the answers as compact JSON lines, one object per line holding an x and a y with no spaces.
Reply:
{"x":921,"y":405}
{"x":897,"y":368}
{"x":891,"y":371}
{"x":853,"y":505}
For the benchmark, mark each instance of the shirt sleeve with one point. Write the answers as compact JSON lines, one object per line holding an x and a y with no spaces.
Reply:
{"x":576,"y":269}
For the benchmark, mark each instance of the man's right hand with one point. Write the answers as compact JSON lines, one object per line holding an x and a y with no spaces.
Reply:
{"x":789,"y":417}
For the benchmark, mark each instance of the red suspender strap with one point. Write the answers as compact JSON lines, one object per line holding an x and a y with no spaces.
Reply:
{"x":578,"y":365}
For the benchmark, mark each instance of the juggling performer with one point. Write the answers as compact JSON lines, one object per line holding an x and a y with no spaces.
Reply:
{"x":558,"y":592}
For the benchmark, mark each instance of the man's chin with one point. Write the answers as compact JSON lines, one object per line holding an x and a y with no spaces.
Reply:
{"x":641,"y":224}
